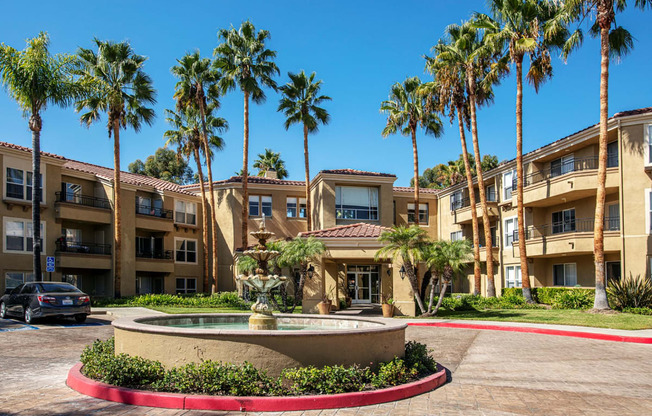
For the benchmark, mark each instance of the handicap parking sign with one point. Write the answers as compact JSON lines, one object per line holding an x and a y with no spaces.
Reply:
{"x":49,"y":264}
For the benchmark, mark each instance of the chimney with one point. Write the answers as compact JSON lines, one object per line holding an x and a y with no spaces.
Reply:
{"x":271,"y":174}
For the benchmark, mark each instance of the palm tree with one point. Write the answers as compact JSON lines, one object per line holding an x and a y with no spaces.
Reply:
{"x":406,"y":110}
{"x":197,"y":86}
{"x":35,"y":79}
{"x":615,"y":42}
{"x":243,"y":59}
{"x":300,"y":252}
{"x":446,"y":259}
{"x":519,"y":24}
{"x":187,"y":136}
{"x":121,"y":88}
{"x":271,"y":160}
{"x":300,"y":104}
{"x":407,"y":245}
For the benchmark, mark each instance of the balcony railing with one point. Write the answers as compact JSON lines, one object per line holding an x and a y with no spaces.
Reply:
{"x":154,"y":254}
{"x":83,"y":248}
{"x":154,"y":212}
{"x":87,"y":201}
{"x":466,"y":202}
{"x":578,"y":225}
{"x":575,"y":165}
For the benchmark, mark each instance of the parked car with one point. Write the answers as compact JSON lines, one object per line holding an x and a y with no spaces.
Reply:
{"x":36,"y":300}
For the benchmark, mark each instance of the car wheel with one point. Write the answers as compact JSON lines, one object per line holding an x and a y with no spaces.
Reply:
{"x":3,"y":310}
{"x":80,"y":318}
{"x":29,"y":316}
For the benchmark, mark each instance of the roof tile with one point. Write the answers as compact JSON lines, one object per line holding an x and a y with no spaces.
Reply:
{"x":359,"y":230}
{"x":356,"y":172}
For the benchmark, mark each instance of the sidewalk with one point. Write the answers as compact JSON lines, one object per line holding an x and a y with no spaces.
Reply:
{"x":126,"y":312}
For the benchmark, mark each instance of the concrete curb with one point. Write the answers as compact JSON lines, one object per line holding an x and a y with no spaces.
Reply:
{"x":78,"y":382}
{"x":545,"y":331}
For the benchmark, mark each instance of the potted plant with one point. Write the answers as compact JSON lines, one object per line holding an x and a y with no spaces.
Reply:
{"x":388,"y":307}
{"x":324,"y":306}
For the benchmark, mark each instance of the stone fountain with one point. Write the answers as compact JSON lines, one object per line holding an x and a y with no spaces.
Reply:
{"x":261,"y":281}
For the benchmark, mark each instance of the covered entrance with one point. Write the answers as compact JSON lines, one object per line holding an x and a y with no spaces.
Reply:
{"x":363,"y":283}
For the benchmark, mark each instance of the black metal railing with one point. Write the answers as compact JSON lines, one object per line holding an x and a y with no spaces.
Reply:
{"x":154,"y":212}
{"x":575,"y":165}
{"x":154,"y":254}
{"x":460,"y":203}
{"x":578,"y":225}
{"x":83,"y":248}
{"x":85,"y":200}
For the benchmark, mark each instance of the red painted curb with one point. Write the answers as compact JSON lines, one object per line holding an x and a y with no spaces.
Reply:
{"x":546,"y":331}
{"x":77,"y":381}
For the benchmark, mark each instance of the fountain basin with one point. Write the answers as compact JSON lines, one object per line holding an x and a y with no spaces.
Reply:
{"x":305,"y":340}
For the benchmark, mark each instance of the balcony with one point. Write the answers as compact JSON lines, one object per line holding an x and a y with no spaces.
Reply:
{"x":74,"y":254}
{"x":462,"y":213}
{"x":570,"y":237}
{"x":153,"y":218}
{"x":82,"y":208}
{"x":154,"y":261}
{"x":155,"y":254}
{"x":567,"y":182}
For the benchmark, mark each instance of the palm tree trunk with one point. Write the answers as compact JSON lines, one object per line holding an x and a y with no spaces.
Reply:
{"x":307,"y":163}
{"x":440,"y":300}
{"x":211,"y":195}
{"x":416,"y":175}
{"x":477,"y":272}
{"x":432,"y":291}
{"x":601,"y":301}
{"x":412,"y":277}
{"x":525,"y":275}
{"x":245,"y":173}
{"x":35,"y":126}
{"x":204,"y":216}
{"x":491,"y":288}
{"x":117,"y":205}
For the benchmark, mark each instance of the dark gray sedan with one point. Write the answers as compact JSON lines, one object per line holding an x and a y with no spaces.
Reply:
{"x":45,"y":299}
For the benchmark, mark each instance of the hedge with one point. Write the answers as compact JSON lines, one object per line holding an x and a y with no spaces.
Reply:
{"x":547,"y":295}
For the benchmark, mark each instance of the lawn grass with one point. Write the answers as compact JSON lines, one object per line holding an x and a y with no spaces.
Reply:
{"x":180,"y":309}
{"x":553,"y":316}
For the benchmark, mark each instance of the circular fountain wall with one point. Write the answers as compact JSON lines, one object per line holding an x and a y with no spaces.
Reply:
{"x":175,"y":340}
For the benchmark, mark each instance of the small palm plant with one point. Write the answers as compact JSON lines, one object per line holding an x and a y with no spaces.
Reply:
{"x":447,"y":260}
{"x":405,"y":244}
{"x":300,"y":252}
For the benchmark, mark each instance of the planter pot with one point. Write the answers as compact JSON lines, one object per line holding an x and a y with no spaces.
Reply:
{"x":388,"y":310}
{"x":324,"y":308}
{"x":348,"y":302}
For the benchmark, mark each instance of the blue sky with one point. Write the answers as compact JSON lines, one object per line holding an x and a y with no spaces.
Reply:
{"x":358,"y":48}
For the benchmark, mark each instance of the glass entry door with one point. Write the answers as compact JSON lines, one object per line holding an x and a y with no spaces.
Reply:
{"x":363,"y":283}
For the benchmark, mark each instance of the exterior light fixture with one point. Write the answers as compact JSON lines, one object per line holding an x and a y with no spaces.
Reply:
{"x":311,"y":271}
{"x":402,"y":272}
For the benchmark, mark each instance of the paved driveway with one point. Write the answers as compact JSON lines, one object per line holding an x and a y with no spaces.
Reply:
{"x":496,"y":373}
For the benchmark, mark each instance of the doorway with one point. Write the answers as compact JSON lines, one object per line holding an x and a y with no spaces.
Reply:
{"x":613,"y":270}
{"x":363,"y":283}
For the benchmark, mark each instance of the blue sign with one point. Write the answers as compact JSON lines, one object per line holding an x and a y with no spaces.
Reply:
{"x":49,"y":264}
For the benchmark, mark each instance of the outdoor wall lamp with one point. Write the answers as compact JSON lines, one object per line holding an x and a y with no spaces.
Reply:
{"x":402,"y":272}
{"x":311,"y":271}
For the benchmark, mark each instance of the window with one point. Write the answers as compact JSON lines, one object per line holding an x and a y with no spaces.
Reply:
{"x":291,"y":206}
{"x":511,"y":225}
{"x":457,"y":235}
{"x":563,"y":221}
{"x":18,"y":235}
{"x":612,"y":154}
{"x":612,"y":220}
{"x":185,"y":212}
{"x":564,"y":274}
{"x":490,"y":193}
{"x":513,"y":276}
{"x":72,"y":192}
{"x":19,"y":184}
{"x":144,"y":205}
{"x":186,"y":250}
{"x":562,"y":165}
{"x":147,"y":284}
{"x":258,"y":204}
{"x":71,"y":235}
{"x":648,"y":210}
{"x":508,"y":183}
{"x":186,"y":285}
{"x":356,"y":203}
{"x":494,"y":240}
{"x":15,"y":279}
{"x":648,"y":145}
{"x":423,"y":213}
{"x":456,"y":200}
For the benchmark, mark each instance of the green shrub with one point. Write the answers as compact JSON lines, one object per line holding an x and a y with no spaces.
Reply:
{"x":393,"y":373}
{"x":630,"y":292}
{"x":573,"y":299}
{"x":195,"y":300}
{"x":328,"y":380}
{"x":638,"y":311}
{"x":418,"y":357}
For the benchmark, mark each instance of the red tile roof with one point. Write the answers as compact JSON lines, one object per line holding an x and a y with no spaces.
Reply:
{"x":633,"y":112}
{"x":359,"y":230}
{"x":27,"y":149}
{"x":356,"y":172}
{"x":411,"y":190}
{"x":252,"y":179}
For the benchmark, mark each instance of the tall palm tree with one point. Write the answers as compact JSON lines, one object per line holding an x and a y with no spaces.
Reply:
{"x":446,"y":259}
{"x":197,"y":87}
{"x":615,"y":42}
{"x":300,"y":104}
{"x":271,"y":160}
{"x":188,"y":137}
{"x":35,"y":79}
{"x":407,"y":109}
{"x":121,"y":88}
{"x":518,"y":25}
{"x":407,"y":245}
{"x":300,"y":252}
{"x":245,"y":61}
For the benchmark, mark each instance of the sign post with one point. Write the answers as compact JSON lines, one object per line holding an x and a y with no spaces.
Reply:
{"x":49,"y":265}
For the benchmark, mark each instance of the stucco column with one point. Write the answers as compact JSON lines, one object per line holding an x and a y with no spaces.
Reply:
{"x":403,"y":295}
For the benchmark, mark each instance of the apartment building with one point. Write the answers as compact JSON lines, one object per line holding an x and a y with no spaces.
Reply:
{"x":161,"y":232}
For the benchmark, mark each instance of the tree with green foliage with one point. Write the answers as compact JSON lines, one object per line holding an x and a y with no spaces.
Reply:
{"x":453,"y":172}
{"x":405,"y":244}
{"x":244,"y":61}
{"x":34,"y":78}
{"x":119,"y":87}
{"x":407,"y":109}
{"x":447,"y":260}
{"x":271,"y":160}
{"x":300,"y":105}
{"x":163,"y":164}
{"x":299,"y":252}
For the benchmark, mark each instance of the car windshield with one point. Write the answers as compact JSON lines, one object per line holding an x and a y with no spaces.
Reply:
{"x":56,"y":288}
